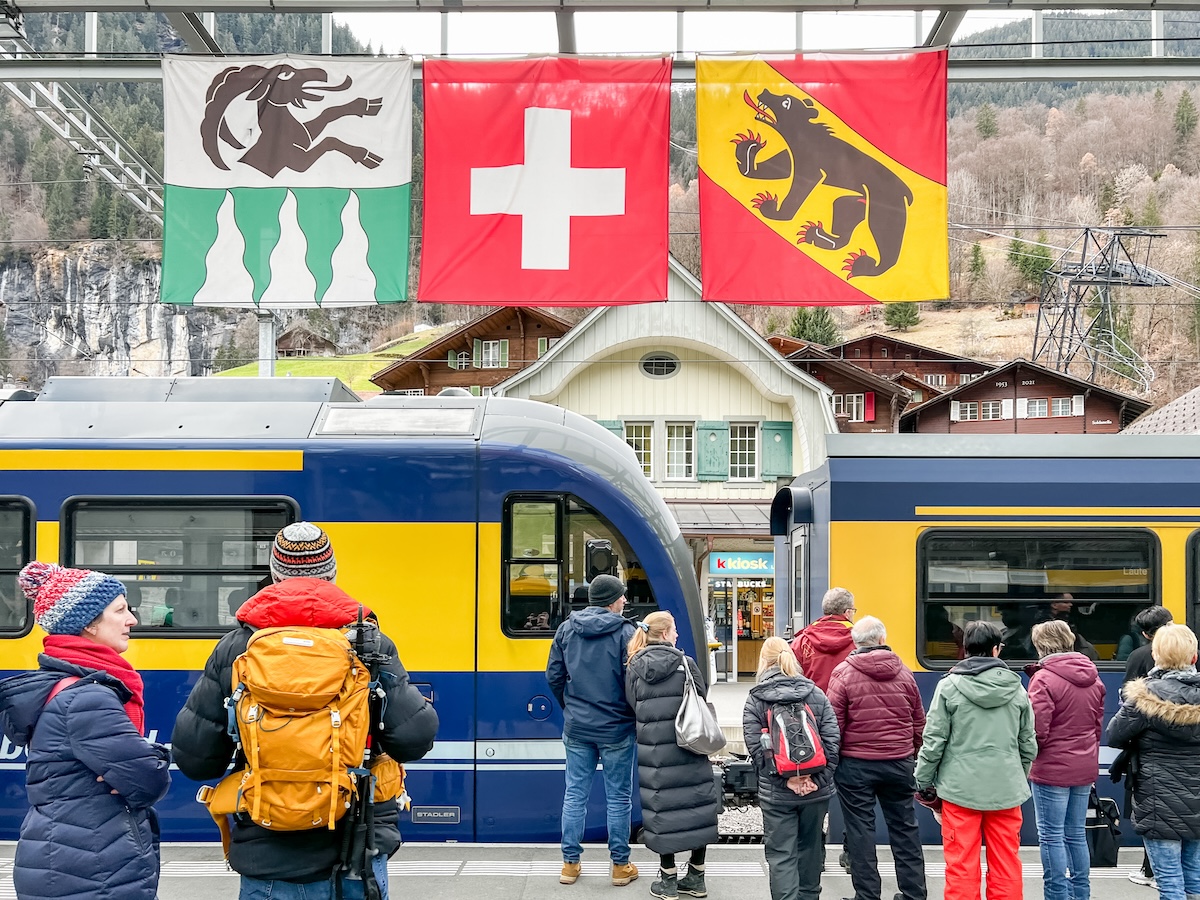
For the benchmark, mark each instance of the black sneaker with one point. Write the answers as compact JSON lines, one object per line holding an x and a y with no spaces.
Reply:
{"x":666,"y":887}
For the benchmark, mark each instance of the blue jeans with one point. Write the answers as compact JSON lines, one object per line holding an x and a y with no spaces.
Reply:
{"x":256,"y":889}
{"x":1061,"y":819}
{"x":618,"y":760}
{"x":1176,"y":866}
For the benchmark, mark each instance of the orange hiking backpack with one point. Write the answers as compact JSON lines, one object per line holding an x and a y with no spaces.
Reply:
{"x":299,"y":711}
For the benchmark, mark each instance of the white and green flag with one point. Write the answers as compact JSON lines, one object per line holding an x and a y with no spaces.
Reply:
{"x":288,"y":181}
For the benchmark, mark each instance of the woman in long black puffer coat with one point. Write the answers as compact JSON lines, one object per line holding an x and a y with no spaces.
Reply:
{"x":680,"y":801}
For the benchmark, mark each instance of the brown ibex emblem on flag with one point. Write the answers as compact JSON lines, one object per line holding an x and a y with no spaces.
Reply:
{"x":285,"y":142}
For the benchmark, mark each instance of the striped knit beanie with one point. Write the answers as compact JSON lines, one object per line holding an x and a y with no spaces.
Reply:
{"x":302,"y":550}
{"x":65,"y":601}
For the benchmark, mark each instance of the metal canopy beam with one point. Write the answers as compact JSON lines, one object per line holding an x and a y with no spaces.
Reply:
{"x":346,"y":6}
{"x":684,"y":71}
{"x":943,"y":29}
{"x":193,"y":32}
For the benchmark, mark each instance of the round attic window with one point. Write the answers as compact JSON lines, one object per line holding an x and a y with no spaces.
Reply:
{"x":660,"y":364}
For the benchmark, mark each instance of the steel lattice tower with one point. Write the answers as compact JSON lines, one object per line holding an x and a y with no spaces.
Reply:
{"x":1076,"y":314}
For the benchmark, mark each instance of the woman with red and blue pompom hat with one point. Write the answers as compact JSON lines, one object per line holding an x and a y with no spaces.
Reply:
{"x":91,"y":777}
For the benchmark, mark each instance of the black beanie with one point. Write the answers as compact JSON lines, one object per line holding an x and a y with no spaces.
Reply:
{"x":605,"y":590}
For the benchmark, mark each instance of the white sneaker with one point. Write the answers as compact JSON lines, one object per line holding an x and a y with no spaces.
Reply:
{"x":1138,"y":877}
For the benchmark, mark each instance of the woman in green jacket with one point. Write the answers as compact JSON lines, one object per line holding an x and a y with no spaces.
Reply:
{"x":978,"y":747}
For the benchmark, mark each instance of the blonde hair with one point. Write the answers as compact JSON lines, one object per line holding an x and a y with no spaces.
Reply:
{"x":777,"y":652}
{"x":1054,"y":636}
{"x":652,"y":628}
{"x":1174,"y":647}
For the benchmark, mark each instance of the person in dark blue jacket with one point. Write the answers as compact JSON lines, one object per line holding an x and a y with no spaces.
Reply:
{"x":91,"y":778}
{"x":586,"y":672}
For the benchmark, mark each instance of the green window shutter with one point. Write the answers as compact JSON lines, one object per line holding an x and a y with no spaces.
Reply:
{"x":712,"y":451}
{"x":477,"y":355}
{"x":613,"y":425}
{"x":776,"y":450}
{"x":475,"y":391}
{"x":452,"y":359}
{"x":504,"y":354}
{"x":543,"y":346}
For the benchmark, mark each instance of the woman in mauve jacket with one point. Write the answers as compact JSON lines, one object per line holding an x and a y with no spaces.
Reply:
{"x":680,"y":800}
{"x":91,"y":778}
{"x":1068,"y":718}
{"x":1159,"y":724}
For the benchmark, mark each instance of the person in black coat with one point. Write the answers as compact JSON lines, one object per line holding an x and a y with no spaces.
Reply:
{"x":303,"y":566}
{"x":793,"y":809}
{"x":680,"y":801}
{"x":91,"y":778}
{"x":1159,"y":724}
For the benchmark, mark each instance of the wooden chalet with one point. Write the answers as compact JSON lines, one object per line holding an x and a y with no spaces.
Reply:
{"x":477,"y":356}
{"x":301,"y":339}
{"x":1025,"y":398}
{"x":887,"y":356}
{"x":918,"y":388}
{"x":863,"y":403}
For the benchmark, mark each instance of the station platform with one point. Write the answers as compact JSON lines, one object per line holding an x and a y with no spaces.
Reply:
{"x":530,"y":872}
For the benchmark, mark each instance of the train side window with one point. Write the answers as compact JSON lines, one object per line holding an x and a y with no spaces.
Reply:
{"x":1094,"y":580}
{"x":187,"y":564}
{"x":16,"y":549}
{"x":554,"y":545}
{"x":1193,"y":580}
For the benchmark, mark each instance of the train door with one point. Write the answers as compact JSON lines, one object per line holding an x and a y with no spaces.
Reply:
{"x":792,"y":581}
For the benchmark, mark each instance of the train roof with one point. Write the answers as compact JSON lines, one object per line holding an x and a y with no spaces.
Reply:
{"x":999,"y":446}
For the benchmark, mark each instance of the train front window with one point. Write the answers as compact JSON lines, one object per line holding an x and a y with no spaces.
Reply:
{"x":1095,"y":581}
{"x":16,"y":539}
{"x":554,"y":545}
{"x":187,"y":565}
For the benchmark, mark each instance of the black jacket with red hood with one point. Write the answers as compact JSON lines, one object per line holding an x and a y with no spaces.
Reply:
{"x":203,"y":749}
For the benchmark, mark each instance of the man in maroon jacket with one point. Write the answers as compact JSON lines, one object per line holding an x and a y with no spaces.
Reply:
{"x":879,"y":712}
{"x":824,"y":644}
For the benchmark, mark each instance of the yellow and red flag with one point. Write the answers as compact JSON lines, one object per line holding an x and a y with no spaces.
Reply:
{"x":823,"y":178}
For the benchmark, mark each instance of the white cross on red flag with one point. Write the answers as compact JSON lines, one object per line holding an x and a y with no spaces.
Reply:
{"x":546,"y":181}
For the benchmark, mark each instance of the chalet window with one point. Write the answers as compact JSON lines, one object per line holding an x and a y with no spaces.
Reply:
{"x":967,"y":377}
{"x":640,"y":436}
{"x":852,"y":405}
{"x":1060,"y":406}
{"x":857,"y":353}
{"x":409,"y":392}
{"x":1037,"y":409}
{"x":991,"y":409}
{"x":464,"y":359}
{"x":660,"y":365}
{"x":883,"y":352}
{"x":681,"y":451}
{"x":1093,"y":579}
{"x":936,"y":379}
{"x":743,"y":452}
{"x":491,"y":355}
{"x":968,"y":412}
{"x":918,"y":395}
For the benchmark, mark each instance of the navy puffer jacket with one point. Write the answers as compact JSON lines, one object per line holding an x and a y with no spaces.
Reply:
{"x":78,"y":840}
{"x":680,"y":800}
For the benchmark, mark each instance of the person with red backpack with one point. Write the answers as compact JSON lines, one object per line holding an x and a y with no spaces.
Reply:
{"x":792,"y":736}
{"x":824,"y":645}
{"x":301,"y":608}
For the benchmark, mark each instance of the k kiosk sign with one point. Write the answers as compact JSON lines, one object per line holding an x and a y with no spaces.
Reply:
{"x":749,"y":564}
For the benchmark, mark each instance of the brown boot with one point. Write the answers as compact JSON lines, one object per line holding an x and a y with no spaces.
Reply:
{"x":570,"y":873}
{"x":622,"y":875}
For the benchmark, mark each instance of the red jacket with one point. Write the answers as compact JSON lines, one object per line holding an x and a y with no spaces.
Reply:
{"x":822,"y":646}
{"x":1068,"y":717}
{"x":878,"y":706}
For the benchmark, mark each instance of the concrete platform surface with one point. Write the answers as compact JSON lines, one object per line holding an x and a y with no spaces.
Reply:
{"x":512,"y":872}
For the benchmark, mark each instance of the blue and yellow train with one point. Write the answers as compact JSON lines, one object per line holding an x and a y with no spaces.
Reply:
{"x":469,"y":525}
{"x":930,"y":532}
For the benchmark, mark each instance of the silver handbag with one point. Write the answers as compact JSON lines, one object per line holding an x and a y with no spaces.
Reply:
{"x":696,"y":727}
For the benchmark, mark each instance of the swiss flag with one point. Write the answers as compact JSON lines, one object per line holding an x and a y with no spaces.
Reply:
{"x":546,"y":181}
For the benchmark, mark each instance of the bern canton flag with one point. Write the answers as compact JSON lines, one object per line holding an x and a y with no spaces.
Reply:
{"x":823,"y":177}
{"x":546,"y":181}
{"x":288,"y":181}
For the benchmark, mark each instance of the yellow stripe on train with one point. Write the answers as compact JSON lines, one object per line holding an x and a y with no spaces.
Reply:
{"x":153,"y":460}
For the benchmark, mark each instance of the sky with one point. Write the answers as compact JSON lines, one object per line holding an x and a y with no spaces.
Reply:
{"x":489,"y":34}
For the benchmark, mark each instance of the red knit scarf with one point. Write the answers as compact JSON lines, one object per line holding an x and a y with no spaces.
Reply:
{"x":79,"y":651}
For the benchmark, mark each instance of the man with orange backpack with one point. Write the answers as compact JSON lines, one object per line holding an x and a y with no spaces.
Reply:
{"x":294,"y":839}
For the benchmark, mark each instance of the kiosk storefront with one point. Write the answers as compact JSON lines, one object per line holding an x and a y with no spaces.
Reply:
{"x":741,"y":603}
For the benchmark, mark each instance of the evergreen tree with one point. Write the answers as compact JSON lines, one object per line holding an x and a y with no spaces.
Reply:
{"x":977,"y":267}
{"x":1151,"y":217}
{"x":1186,"y":116}
{"x":985,"y":122}
{"x":98,"y":213}
{"x":814,"y":324}
{"x":902,"y":315}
